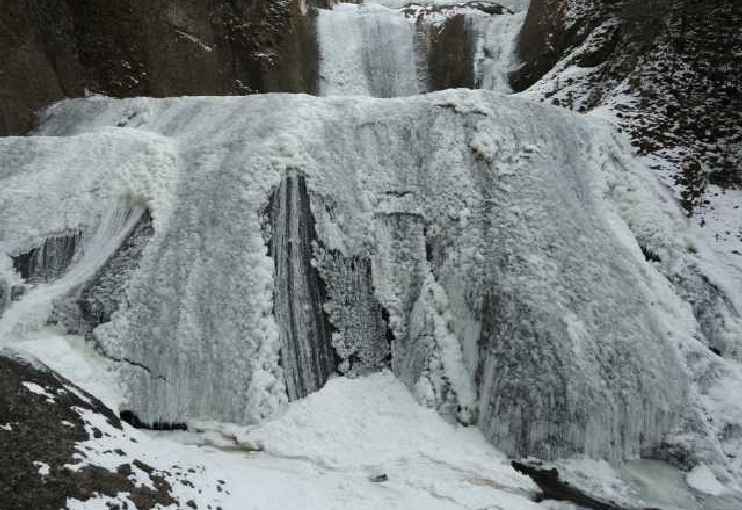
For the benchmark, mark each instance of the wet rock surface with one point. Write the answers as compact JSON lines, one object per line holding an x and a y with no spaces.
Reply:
{"x":41,"y":424}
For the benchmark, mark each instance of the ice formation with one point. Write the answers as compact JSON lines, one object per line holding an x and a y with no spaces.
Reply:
{"x":474,"y":243}
{"x":366,"y":50}
{"x":373,"y":50}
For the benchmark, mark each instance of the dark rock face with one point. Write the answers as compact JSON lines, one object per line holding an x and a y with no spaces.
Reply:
{"x":40,"y":428}
{"x":50,"y":260}
{"x":450,"y":60}
{"x":140,"y":48}
{"x":307,"y":356}
{"x":669,"y":70}
{"x":541,"y":42}
{"x":95,"y":302}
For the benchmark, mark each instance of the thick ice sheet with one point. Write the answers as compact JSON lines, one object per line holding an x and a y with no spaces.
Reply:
{"x":367,"y":50}
{"x":548,"y":294}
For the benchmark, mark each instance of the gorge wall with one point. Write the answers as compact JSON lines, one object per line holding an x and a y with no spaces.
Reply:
{"x":57,"y":49}
{"x":53,"y":50}
{"x":667,"y":72}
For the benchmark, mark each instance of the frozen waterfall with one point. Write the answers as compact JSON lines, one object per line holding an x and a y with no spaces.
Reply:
{"x":366,"y":50}
{"x":34,"y":308}
{"x":373,"y":50}
{"x":466,"y":240}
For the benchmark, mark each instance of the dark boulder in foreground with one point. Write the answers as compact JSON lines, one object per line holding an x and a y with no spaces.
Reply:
{"x":41,"y":426}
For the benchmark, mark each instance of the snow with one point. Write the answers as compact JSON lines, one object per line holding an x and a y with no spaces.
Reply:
{"x":503,"y":239}
{"x":325,"y":448}
{"x":515,"y":5}
{"x":77,"y":361}
{"x":39,"y":390}
{"x":43,"y":468}
{"x":195,"y":40}
{"x":703,"y":479}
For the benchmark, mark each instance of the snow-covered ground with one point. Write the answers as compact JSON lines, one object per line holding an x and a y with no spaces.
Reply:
{"x":323,"y":452}
{"x":329,"y":450}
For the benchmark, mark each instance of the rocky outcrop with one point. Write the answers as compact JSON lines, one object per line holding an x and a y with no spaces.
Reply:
{"x":43,"y":419}
{"x":667,"y":70}
{"x":140,"y":48}
{"x":451,"y":56}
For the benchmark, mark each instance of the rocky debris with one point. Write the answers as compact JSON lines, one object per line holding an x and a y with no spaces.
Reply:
{"x":42,"y":425}
{"x":139,"y":48}
{"x":667,"y":70}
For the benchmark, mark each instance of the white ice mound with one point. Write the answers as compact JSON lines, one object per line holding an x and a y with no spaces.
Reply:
{"x":543,"y":315}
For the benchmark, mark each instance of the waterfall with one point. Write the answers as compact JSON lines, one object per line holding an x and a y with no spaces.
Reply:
{"x":366,"y":50}
{"x":476,"y":229}
{"x":393,"y":50}
{"x":84,"y":256}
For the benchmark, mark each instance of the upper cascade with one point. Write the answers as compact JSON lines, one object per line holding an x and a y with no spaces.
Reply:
{"x":393,"y":49}
{"x":480,"y":246}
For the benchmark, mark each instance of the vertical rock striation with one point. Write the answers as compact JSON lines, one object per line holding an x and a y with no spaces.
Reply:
{"x":50,"y":260}
{"x":305,"y":331}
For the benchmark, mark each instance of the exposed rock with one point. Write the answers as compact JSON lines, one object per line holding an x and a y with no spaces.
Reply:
{"x":41,"y":414}
{"x":555,"y":489}
{"x":48,"y":261}
{"x":668,"y":70}
{"x":140,"y":48}
{"x":307,"y":355}
{"x":451,"y":56}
